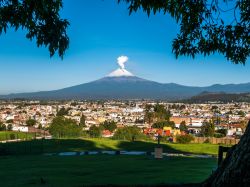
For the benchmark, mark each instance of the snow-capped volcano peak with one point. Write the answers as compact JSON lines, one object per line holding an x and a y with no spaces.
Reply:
{"x":120,"y":72}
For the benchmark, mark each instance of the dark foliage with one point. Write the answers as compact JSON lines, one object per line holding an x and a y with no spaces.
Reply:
{"x":62,"y":128}
{"x":109,"y":125}
{"x":219,"y":97}
{"x":129,"y":133}
{"x":41,"y":20}
{"x":95,"y":132}
{"x":30,"y":122}
{"x":62,"y":112}
{"x":203,"y":30}
{"x":187,"y":138}
{"x":207,"y":129}
{"x":160,"y":125}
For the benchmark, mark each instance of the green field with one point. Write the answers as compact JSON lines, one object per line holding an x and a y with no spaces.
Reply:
{"x":62,"y":145}
{"x":25,"y":165}
{"x":8,"y":135}
{"x":102,"y":169}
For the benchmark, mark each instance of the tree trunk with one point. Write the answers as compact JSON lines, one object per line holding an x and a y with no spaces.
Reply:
{"x":235,"y":169}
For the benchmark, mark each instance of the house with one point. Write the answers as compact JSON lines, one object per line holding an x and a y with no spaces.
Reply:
{"x":107,"y":134}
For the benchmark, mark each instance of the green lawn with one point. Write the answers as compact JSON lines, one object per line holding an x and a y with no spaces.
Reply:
{"x":101,"y":169}
{"x":61,"y":145}
{"x":7,"y":135}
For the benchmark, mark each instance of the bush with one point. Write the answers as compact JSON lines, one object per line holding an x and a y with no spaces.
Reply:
{"x":222,"y":131}
{"x":207,"y":141}
{"x":187,"y":138}
{"x":95,"y":132}
{"x":129,"y":133}
{"x":219,"y":135}
{"x":12,"y":136}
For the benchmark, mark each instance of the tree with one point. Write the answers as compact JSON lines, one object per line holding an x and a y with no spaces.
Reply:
{"x":161,"y":124}
{"x":129,"y":133}
{"x":161,"y":113}
{"x":222,"y":131}
{"x":82,"y":121}
{"x":9,"y":127}
{"x":109,"y":125}
{"x":203,"y":27}
{"x":214,"y":107}
{"x":184,"y":139}
{"x":243,"y":125}
{"x":207,"y":129}
{"x":30,"y":122}
{"x":40,"y":126}
{"x":95,"y":132}
{"x":40,"y":19}
{"x":241,"y":113}
{"x":2,"y":127}
{"x":62,"y":127}
{"x":10,"y":121}
{"x":62,"y":112}
{"x":234,"y":170}
{"x":149,"y":115}
{"x":183,"y":126}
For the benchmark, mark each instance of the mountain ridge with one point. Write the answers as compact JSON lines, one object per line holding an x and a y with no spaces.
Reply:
{"x":129,"y":87}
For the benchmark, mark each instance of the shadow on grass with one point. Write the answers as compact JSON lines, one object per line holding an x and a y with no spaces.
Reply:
{"x":66,"y":145}
{"x":145,"y":146}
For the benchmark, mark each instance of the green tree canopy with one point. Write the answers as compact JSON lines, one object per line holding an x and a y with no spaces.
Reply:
{"x":183,"y":126}
{"x":95,"y":132}
{"x":203,"y":27}
{"x":2,"y":126}
{"x":62,"y":127}
{"x":161,"y":124}
{"x":63,"y":111}
{"x":156,"y":113}
{"x":207,"y":129}
{"x":109,"y":125}
{"x":30,"y":122}
{"x":161,"y":113}
{"x":129,"y":133}
{"x":10,"y":121}
{"x":9,"y":127}
{"x":82,"y":121}
{"x":41,"y":20}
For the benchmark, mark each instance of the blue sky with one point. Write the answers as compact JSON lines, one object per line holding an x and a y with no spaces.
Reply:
{"x":100,"y":31}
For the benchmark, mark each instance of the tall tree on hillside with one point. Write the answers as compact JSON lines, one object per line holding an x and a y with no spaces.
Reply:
{"x":160,"y":113}
{"x":148,"y":115}
{"x":207,"y":129}
{"x":83,"y":121}
{"x":183,"y":126}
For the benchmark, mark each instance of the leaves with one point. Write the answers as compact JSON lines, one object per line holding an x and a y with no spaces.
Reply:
{"x":41,"y":20}
{"x":202,"y":29}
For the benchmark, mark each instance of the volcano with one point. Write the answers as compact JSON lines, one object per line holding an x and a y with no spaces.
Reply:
{"x":122,"y":84}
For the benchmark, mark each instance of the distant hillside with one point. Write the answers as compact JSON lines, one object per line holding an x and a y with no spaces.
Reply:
{"x":219,"y":97}
{"x":129,"y":87}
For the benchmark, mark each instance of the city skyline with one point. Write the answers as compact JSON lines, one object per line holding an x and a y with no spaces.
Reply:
{"x":100,"y":31}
